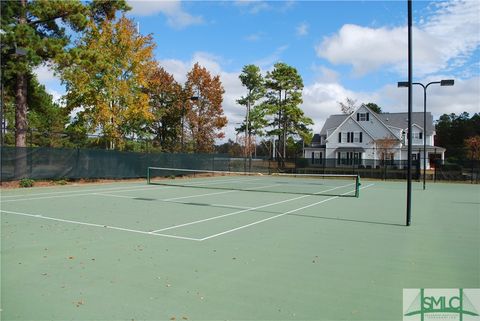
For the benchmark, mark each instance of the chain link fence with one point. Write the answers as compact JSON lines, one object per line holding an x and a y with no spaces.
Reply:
{"x":45,"y":163}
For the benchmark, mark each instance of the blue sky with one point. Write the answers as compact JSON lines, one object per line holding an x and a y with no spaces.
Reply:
{"x":342,"y":49}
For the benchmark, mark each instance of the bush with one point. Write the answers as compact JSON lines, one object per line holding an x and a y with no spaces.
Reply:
{"x":26,"y":182}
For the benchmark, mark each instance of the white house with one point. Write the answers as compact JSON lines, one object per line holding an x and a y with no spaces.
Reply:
{"x":365,"y":138}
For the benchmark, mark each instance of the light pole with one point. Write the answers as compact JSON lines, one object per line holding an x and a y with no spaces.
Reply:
{"x":247,"y":136}
{"x":444,"y":82}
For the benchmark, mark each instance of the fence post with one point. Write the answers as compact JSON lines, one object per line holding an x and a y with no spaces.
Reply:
{"x":77,"y":162}
{"x":471,"y":174}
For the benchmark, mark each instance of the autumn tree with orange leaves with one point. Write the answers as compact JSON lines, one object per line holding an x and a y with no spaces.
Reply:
{"x":204,"y":116}
{"x":106,"y":76}
{"x":167,"y":99}
{"x":472,"y":145}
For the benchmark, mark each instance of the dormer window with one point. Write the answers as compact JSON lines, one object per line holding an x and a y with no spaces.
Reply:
{"x":363,"y":116}
{"x":417,"y":135}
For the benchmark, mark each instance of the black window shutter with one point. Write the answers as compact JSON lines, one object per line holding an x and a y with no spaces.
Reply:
{"x":358,"y":117}
{"x":360,"y":139}
{"x":339,"y":137}
{"x":368,"y":118}
{"x":420,"y":135}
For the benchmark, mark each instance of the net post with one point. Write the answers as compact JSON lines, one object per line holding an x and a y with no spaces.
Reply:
{"x":357,"y":186}
{"x":148,"y":175}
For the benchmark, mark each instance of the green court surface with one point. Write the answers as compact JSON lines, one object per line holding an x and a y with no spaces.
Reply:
{"x":132,"y":251}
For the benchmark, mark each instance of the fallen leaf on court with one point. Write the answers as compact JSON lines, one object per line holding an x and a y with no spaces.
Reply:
{"x":71,"y":257}
{"x":184,"y":318}
{"x":173,"y":318}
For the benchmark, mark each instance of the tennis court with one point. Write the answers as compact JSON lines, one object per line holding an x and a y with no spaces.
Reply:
{"x":206,"y":248}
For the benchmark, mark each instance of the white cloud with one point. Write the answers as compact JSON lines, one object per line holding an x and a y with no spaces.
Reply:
{"x":368,"y":49}
{"x":252,"y":6}
{"x":302,"y":29}
{"x":463,"y":96}
{"x":445,"y":39}
{"x":45,"y":74}
{"x":177,"y":17}
{"x":325,"y":75}
{"x":254,"y":37}
{"x":269,"y":60}
{"x":256,"y":6}
{"x":52,"y":83}
{"x":320,"y":100}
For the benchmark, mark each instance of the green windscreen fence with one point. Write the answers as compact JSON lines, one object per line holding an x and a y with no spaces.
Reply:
{"x":54,"y":163}
{"x":44,"y":163}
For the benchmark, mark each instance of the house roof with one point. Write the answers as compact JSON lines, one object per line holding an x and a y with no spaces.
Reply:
{"x":332,"y":122}
{"x":398,"y":120}
{"x":316,"y":139}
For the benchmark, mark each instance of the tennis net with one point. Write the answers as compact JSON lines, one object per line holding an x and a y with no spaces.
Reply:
{"x":308,"y":184}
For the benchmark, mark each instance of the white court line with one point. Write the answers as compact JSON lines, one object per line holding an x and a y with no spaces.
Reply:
{"x":76,"y":186}
{"x":246,"y":210}
{"x":120,"y":189}
{"x":98,"y":225}
{"x":184,"y":237}
{"x":217,"y":193}
{"x":74,"y":195}
{"x":183,"y":197}
{"x":279,"y":215}
{"x":72,"y":187}
{"x":191,"y":196}
{"x":117,"y":189}
{"x":170,"y":200}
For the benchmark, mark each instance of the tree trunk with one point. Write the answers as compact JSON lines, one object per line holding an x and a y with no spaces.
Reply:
{"x":21,"y":127}
{"x":21,"y":111}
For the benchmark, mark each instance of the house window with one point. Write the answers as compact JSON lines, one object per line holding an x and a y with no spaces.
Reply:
{"x":349,"y":158}
{"x":363,"y":116}
{"x":417,"y":135}
{"x":313,"y":158}
{"x":357,"y":158}
{"x":357,"y":137}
